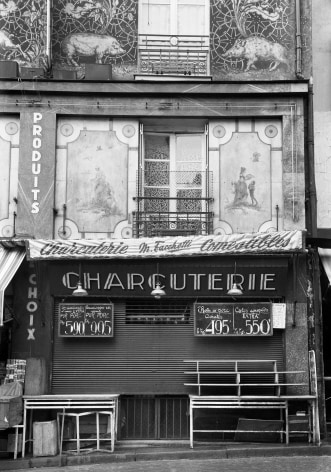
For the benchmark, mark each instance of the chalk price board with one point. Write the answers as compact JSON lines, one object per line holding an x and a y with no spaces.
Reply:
{"x":228,"y":319}
{"x":86,"y":320}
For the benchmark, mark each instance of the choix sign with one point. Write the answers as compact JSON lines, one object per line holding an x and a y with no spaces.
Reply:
{"x":36,"y":161}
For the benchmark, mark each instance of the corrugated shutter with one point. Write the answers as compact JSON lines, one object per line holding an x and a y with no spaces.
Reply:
{"x":145,"y":359}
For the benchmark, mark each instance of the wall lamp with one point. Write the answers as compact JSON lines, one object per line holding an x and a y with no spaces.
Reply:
{"x":79,"y":291}
{"x":235,"y":290}
{"x":157,"y":291}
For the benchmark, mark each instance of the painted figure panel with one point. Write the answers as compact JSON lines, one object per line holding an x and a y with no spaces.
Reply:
{"x":245,"y":178}
{"x":97,"y":181}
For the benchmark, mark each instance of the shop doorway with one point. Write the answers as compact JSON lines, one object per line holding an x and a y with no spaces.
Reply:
{"x":153,"y":418}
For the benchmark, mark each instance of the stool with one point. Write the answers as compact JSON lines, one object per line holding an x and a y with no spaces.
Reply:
{"x":77,"y":417}
{"x":17,"y":427}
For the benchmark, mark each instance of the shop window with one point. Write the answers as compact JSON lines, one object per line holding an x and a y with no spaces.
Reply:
{"x":158,"y":312}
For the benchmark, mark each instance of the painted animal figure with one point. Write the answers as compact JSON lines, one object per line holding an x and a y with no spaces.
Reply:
{"x":256,"y":48}
{"x":89,"y":44}
{"x":8,"y":46}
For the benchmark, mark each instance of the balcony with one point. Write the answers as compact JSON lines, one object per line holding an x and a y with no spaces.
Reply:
{"x":174,"y":55}
{"x":187,"y":212}
{"x":151,"y":224}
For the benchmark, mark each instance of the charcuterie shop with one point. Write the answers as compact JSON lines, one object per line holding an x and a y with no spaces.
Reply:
{"x":125,"y":322}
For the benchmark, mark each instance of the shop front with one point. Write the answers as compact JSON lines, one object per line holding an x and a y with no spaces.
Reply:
{"x":117,"y":338}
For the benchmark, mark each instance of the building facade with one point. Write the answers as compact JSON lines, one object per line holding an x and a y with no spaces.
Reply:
{"x":321,"y":136}
{"x":156,"y":143}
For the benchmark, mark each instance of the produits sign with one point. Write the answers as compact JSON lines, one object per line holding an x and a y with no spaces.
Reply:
{"x":232,"y":319}
{"x":255,"y":243}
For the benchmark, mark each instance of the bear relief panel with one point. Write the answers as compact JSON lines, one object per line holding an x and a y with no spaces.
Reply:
{"x":248,"y":190}
{"x":97,"y":167}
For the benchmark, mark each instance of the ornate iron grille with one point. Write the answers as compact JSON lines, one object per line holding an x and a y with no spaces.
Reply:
{"x":182,"y":208}
{"x":177,"y":55}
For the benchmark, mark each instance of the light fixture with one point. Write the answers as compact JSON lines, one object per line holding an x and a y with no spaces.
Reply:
{"x":157,"y":292}
{"x":235,"y":291}
{"x":79,"y":290}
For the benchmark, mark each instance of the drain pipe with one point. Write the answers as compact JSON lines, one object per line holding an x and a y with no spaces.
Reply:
{"x":311,"y":198}
{"x":298,"y":45}
{"x":48,"y":34}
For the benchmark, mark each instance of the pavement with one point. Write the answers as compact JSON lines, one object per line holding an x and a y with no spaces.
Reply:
{"x":140,"y":457}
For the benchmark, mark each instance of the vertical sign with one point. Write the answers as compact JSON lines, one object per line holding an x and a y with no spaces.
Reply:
{"x":36,"y":173}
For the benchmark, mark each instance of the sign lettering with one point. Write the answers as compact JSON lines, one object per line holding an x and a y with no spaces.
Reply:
{"x":255,"y":243}
{"x":232,"y":319}
{"x":86,"y":320}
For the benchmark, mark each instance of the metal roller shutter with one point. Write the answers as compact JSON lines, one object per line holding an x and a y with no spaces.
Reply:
{"x":145,"y":359}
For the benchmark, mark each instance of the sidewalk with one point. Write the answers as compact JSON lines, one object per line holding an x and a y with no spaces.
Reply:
{"x":173,"y":451}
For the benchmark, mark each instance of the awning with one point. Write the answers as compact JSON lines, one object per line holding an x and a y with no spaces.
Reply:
{"x":211,"y":245}
{"x":325,"y":255}
{"x":10,"y":260}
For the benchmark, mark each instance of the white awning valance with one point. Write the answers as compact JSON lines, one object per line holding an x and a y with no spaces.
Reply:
{"x":325,"y":255}
{"x":211,"y":245}
{"x":10,"y":260}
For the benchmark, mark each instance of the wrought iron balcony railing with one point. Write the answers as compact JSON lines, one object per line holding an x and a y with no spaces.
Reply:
{"x":174,"y":55}
{"x":153,"y":223}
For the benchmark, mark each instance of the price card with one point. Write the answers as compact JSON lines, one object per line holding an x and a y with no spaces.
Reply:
{"x":86,"y":320}
{"x":232,"y":319}
{"x":279,"y":315}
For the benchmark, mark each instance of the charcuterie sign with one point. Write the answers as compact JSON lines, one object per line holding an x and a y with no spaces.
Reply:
{"x":86,"y":320}
{"x":232,"y":319}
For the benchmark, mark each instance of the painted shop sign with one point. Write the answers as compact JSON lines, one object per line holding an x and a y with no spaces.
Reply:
{"x":255,"y":243}
{"x":36,"y":161}
{"x":198,"y":277}
{"x":232,"y":319}
{"x":86,"y":320}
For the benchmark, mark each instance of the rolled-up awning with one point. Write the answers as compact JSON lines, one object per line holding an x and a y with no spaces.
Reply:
{"x":10,"y":260}
{"x":325,"y":255}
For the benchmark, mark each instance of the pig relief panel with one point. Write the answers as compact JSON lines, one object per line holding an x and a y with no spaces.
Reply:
{"x":249,"y":39}
{"x":23,"y":32}
{"x":103,"y":32}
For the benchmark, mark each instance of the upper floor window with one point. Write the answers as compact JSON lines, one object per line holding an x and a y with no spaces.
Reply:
{"x":174,"y":185}
{"x":174,"y":17}
{"x":174,"y":37}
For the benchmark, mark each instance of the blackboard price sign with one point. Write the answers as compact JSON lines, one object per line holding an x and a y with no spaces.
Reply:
{"x":86,"y":320}
{"x":228,"y":319}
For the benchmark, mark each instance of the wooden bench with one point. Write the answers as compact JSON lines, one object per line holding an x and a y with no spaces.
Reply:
{"x":74,"y":406}
{"x":250,"y":384}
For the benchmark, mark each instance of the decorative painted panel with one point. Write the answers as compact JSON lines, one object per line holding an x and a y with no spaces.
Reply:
{"x":253,"y":183}
{"x":103,"y":32}
{"x":23,"y":32}
{"x":249,"y":39}
{"x":9,"y":141}
{"x":245,"y":178}
{"x":97,"y":181}
{"x":92,"y":182}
